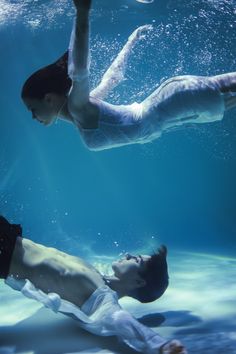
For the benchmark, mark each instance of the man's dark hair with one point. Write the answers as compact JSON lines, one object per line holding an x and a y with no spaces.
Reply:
{"x":155,"y":276}
{"x":50,"y":79}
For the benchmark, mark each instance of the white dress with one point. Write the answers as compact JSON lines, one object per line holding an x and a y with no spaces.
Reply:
{"x":180,"y":100}
{"x":101,"y":314}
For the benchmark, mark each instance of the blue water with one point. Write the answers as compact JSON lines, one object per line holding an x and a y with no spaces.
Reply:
{"x":180,"y":190}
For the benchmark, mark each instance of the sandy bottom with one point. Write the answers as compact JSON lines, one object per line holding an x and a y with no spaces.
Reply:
{"x":199,"y":308}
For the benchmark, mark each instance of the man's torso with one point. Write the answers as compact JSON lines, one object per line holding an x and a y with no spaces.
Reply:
{"x":53,"y":271}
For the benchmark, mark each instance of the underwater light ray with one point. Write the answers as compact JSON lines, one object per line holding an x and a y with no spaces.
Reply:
{"x":43,"y":167}
{"x":5,"y":180}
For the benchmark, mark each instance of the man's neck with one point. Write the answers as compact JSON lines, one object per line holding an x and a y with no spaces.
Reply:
{"x":116,"y":285}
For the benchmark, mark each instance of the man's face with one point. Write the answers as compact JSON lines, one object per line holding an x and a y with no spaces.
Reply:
{"x":130,"y":266}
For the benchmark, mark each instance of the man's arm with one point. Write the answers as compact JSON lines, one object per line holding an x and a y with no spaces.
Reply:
{"x":107,"y":321}
{"x":78,"y":62}
{"x":134,"y":334}
{"x":137,"y":336}
{"x":116,"y":72}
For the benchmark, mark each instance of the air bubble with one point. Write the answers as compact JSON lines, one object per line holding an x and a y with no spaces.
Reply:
{"x":145,"y":1}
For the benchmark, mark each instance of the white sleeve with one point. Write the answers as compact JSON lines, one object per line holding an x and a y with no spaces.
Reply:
{"x":116,"y":72}
{"x":78,"y":66}
{"x":139,"y":337}
{"x":107,"y":318}
{"x":76,"y":75}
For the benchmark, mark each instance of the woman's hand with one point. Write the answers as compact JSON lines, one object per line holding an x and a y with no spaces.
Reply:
{"x":141,"y":32}
{"x":82,"y":4}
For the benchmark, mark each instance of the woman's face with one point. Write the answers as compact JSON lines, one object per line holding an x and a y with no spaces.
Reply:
{"x":42,"y":110}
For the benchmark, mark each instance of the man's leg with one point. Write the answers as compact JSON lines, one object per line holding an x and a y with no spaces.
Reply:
{"x":8,"y":235}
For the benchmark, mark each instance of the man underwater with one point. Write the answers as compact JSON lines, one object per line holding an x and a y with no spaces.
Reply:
{"x":69,"y":285}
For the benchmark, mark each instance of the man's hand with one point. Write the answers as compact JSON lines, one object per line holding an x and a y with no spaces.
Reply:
{"x":82,"y":4}
{"x":173,"y":347}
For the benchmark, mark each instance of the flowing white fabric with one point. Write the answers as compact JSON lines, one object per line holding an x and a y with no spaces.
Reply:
{"x":101,"y":314}
{"x":178,"y":101}
{"x":115,"y":74}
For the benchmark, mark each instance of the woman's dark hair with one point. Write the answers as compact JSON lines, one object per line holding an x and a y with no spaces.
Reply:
{"x":156,"y":278}
{"x":50,"y":79}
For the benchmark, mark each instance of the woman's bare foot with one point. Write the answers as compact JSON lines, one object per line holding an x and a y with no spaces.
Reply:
{"x":173,"y":347}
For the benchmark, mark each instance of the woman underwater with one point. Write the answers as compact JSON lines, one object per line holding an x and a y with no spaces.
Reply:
{"x":62,"y":90}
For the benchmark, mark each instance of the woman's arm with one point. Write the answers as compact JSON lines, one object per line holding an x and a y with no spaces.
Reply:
{"x":78,"y":63}
{"x":116,"y":72}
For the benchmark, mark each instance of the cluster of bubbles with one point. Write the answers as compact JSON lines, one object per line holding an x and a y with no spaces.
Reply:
{"x":34,"y":13}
